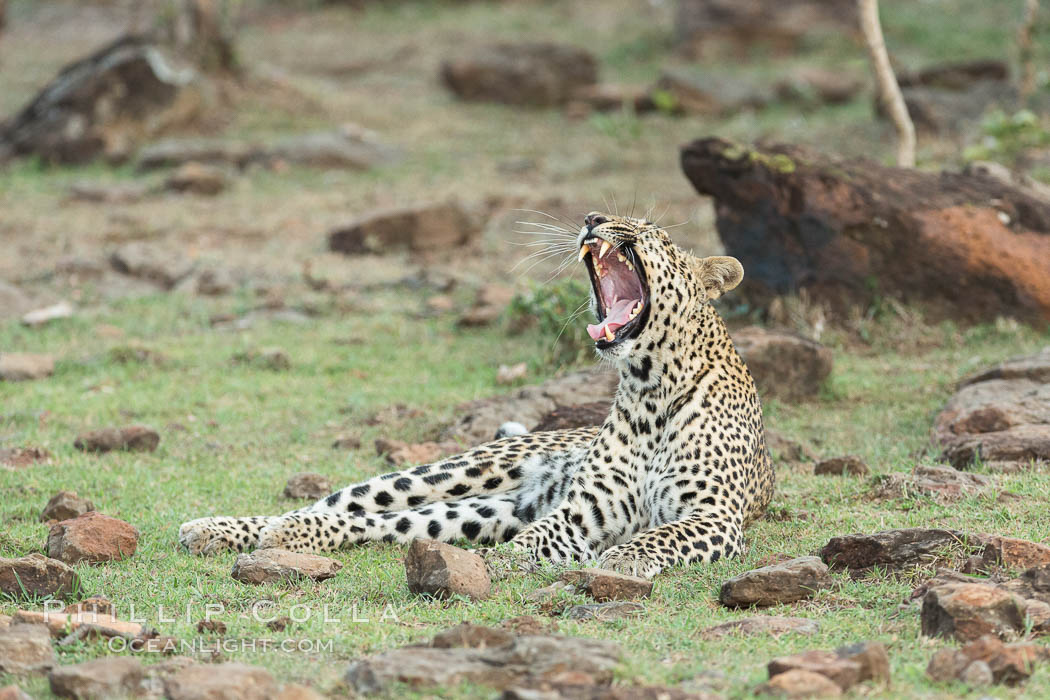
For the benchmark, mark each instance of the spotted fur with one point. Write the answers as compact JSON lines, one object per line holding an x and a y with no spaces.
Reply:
{"x":673,"y":476}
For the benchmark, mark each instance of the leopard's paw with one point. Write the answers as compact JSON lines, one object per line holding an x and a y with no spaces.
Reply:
{"x":624,"y":559}
{"x":205,"y":536}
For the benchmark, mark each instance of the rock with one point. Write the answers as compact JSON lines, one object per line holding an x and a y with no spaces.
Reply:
{"x":784,"y":365}
{"x":942,"y":484}
{"x":999,"y":415}
{"x":977,"y":674}
{"x":546,"y":594}
{"x":788,"y":450}
{"x":401,"y":453}
{"x":21,"y":457}
{"x":424,"y":228}
{"x":13,"y":301}
{"x":214,"y":681}
{"x":788,"y":582}
{"x":65,"y":505}
{"x":529,"y":405}
{"x":534,"y":73}
{"x":21,"y":366}
{"x":163,"y":267}
{"x":347,"y":442}
{"x":1013,"y":553}
{"x":25,"y":649}
{"x":800,"y":683}
{"x":307,"y":485}
{"x":109,"y":193}
{"x":508,"y":374}
{"x":577,"y":416}
{"x":173,"y":152}
{"x":987,"y":660}
{"x":967,"y":611}
{"x":525,"y":660}
{"x":611,"y":97}
{"x":798,"y":220}
{"x":93,"y":538}
{"x":293,"y":691}
{"x":99,"y":105}
{"x":115,"y":676}
{"x":708,"y":94}
{"x":94,"y":604}
{"x":604,"y":585}
{"x":699,"y":23}
{"x":274,"y":359}
{"x":772,"y":625}
{"x":13,"y":692}
{"x":892,"y":550}
{"x":811,"y":85}
{"x":947,"y":112}
{"x":441,"y":570}
{"x":873,"y":659}
{"x":214,"y":282}
{"x":471,"y":636}
{"x":197,"y":178}
{"x":491,"y":301}
{"x":955,"y":75}
{"x":132,"y":438}
{"x":350,"y":147}
{"x":272,"y":565}
{"x":612,"y":610}
{"x":840,"y":466}
{"x":38,"y":576}
{"x":844,"y":672}
{"x":47,"y":314}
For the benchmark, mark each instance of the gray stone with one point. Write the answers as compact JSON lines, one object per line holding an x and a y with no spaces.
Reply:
{"x":65,"y":505}
{"x":772,"y":625}
{"x":228,"y":681}
{"x":26,"y":649}
{"x":108,"y":677}
{"x":272,"y":565}
{"x":786,"y":582}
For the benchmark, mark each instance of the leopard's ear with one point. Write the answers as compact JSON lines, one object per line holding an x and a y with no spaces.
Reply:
{"x":718,"y":274}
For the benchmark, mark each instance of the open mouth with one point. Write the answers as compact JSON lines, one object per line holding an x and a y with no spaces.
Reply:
{"x":619,"y":286}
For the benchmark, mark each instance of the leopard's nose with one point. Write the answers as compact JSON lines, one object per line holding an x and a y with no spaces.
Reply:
{"x":592,"y":220}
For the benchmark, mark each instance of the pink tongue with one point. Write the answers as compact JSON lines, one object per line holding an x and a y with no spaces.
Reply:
{"x":617,"y":317}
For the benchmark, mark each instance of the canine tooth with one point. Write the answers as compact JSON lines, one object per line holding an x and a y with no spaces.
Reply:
{"x":621,"y":257}
{"x":606,"y":246}
{"x":609,"y":334}
{"x":630,"y":266}
{"x":583,"y":252}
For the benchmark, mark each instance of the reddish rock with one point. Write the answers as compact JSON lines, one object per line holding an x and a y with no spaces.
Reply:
{"x":307,"y":485}
{"x":890,"y":549}
{"x":424,"y":228}
{"x":489,"y":304}
{"x":25,"y":649}
{"x":20,"y":366}
{"x":61,"y":624}
{"x":197,"y":178}
{"x":840,"y":466}
{"x":115,"y":676}
{"x":987,"y":660}
{"x":441,"y":570}
{"x":967,"y":611}
{"x":531,"y":73}
{"x":66,"y":505}
{"x":576,"y":416}
{"x":1001,"y":415}
{"x":479,"y":420}
{"x":1013,"y":553}
{"x":873,"y":658}
{"x":784,"y":365}
{"x":942,"y":484}
{"x":605,"y":585}
{"x":844,"y":672}
{"x":133,"y":438}
{"x":272,"y":565}
{"x":800,"y":683}
{"x":21,"y":457}
{"x":213,"y":681}
{"x":964,"y":246}
{"x":772,"y":625}
{"x":13,"y":692}
{"x":400,"y":453}
{"x":39,"y":576}
{"x":92,"y":538}
{"x":786,"y":582}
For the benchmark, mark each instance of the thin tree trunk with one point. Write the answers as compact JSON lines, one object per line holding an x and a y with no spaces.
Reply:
{"x":889,"y":90}
{"x":1024,"y":50}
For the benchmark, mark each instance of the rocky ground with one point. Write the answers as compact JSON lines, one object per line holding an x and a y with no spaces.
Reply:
{"x":316,"y":276}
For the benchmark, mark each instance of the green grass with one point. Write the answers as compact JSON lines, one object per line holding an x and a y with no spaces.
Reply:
{"x":242,"y":430}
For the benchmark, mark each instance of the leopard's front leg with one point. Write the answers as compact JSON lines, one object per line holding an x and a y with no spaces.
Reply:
{"x":700,"y":537}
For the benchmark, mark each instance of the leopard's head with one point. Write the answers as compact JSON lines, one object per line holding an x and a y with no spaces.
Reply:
{"x":643,"y":284}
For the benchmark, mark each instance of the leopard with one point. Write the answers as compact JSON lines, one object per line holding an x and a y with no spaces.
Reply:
{"x":672,"y":477}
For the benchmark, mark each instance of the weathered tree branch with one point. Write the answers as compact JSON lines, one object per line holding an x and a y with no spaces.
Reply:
{"x":889,"y":90}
